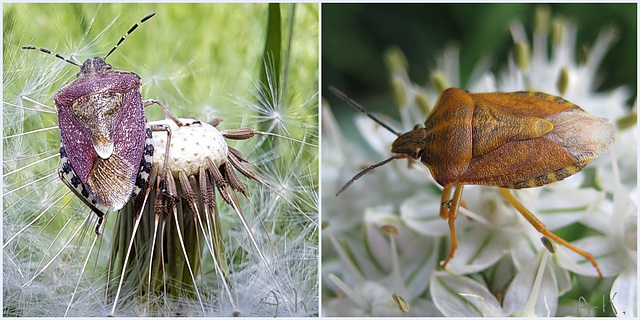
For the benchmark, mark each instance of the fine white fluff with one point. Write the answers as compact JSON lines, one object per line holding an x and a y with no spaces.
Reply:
{"x":190,"y":146}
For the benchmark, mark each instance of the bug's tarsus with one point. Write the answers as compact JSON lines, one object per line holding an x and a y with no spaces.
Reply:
{"x":149,"y":16}
{"x":360,"y":108}
{"x":540,"y":227}
{"x":51,"y":53}
{"x":363,"y":172}
{"x":215,"y":122}
{"x":450,"y":212}
{"x":99,"y":224}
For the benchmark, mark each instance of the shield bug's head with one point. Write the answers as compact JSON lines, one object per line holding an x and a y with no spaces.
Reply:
{"x":410,"y":144}
{"x":93,"y":66}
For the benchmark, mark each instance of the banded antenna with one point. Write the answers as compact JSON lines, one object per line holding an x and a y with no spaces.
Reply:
{"x":47,"y":51}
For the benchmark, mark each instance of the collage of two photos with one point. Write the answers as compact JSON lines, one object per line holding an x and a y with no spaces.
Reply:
{"x":319,"y":160}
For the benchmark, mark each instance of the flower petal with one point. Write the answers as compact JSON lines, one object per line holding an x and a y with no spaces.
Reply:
{"x":459,"y":296}
{"x":624,"y":294}
{"x":524,"y":287}
{"x":421,"y":213}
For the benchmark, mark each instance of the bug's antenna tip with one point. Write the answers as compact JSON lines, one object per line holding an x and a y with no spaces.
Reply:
{"x":363,"y":172}
{"x":344,"y":188}
{"x":360,"y":108}
{"x":128,"y":32}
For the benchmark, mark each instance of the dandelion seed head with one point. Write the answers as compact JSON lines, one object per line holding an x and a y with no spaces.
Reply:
{"x":190,"y":146}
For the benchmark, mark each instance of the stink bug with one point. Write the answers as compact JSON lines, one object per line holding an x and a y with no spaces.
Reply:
{"x":106,"y":143}
{"x":508,"y":140}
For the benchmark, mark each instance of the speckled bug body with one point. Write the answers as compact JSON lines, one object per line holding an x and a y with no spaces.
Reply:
{"x":106,"y":143}
{"x":102,"y":127}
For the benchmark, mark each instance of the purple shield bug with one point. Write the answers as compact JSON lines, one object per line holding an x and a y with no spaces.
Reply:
{"x":106,"y":143}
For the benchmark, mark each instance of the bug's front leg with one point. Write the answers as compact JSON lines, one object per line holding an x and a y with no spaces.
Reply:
{"x":166,"y":112}
{"x":165,"y":168}
{"x":450,"y":210}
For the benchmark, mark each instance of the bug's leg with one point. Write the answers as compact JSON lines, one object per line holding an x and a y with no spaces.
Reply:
{"x":166,"y":112}
{"x":445,"y":202}
{"x":452,"y":215}
{"x":536,"y":223}
{"x":91,"y":206}
{"x":165,"y":171}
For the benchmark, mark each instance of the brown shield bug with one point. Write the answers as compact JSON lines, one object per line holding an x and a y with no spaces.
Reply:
{"x":507,"y":140}
{"x":106,"y":143}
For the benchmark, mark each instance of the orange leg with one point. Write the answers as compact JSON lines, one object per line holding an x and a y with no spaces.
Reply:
{"x":451,"y":210}
{"x":445,"y":202}
{"x":536,"y":223}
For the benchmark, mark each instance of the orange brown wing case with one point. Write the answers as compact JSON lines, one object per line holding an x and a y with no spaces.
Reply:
{"x":533,"y":159}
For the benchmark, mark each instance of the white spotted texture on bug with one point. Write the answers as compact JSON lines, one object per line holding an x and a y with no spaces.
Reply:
{"x":190,"y":146}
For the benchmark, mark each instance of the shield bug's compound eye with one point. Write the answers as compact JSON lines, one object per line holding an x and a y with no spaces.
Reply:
{"x":416,"y":154}
{"x":507,"y":140}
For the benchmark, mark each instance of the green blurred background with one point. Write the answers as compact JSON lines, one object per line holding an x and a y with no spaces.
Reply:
{"x":194,"y":57}
{"x":203,"y":60}
{"x":354,"y":37}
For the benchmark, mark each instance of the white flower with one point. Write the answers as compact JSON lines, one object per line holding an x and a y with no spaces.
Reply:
{"x":533,"y":292}
{"x":393,"y":261}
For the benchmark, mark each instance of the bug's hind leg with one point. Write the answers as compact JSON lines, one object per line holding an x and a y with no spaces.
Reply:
{"x":100,"y":214}
{"x":449,"y":209}
{"x":536,"y":223}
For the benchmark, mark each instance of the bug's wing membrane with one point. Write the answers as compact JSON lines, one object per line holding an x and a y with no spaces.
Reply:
{"x":581,"y":134}
{"x":531,"y":163}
